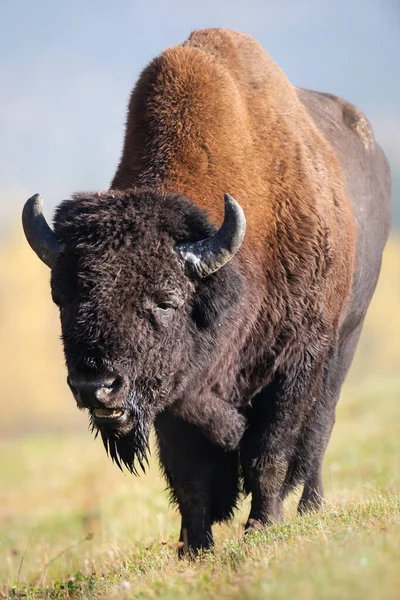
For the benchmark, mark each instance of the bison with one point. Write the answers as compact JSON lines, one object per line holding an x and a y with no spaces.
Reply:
{"x":229,"y":326}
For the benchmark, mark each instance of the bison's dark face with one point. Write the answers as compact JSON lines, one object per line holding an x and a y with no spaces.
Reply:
{"x":140,"y":307}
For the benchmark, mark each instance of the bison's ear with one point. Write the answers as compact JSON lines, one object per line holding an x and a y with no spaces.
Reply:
{"x":40,"y":236}
{"x":206,"y":256}
{"x":217,"y":298}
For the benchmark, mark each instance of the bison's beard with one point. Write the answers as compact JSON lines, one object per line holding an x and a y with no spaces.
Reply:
{"x":128,"y":446}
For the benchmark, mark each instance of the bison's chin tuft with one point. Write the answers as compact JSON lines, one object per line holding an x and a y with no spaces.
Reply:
{"x":128,"y":445}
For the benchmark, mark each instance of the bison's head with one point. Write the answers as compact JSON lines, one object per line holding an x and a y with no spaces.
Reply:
{"x":136,"y":278}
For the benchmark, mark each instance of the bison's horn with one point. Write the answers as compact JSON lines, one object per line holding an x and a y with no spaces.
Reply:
{"x":40,"y":236}
{"x":207,"y":256}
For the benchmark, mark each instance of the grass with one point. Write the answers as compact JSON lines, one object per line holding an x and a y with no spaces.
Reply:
{"x":73,"y":526}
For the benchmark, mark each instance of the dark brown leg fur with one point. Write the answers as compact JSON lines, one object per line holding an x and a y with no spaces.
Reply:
{"x":203,"y":479}
{"x":313,"y":494}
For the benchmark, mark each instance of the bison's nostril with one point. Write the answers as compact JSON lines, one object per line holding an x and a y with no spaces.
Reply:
{"x":108,"y":384}
{"x":106,"y":388}
{"x":113,"y":384}
{"x":94,"y":392}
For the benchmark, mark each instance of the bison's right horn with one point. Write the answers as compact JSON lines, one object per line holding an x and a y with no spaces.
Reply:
{"x":204,"y":257}
{"x":40,"y":236}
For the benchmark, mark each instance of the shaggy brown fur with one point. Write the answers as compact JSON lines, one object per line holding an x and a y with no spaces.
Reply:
{"x":239,"y":371}
{"x":216,"y":114}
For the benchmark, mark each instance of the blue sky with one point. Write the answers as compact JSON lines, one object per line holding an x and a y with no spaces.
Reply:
{"x":66,"y":71}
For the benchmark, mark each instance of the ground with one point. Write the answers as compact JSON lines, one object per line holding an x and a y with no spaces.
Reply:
{"x":73,"y":526}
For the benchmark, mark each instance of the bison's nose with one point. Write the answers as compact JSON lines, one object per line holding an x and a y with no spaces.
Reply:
{"x":94,"y":393}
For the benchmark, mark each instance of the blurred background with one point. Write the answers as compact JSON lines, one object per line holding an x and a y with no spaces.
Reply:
{"x":66,"y":71}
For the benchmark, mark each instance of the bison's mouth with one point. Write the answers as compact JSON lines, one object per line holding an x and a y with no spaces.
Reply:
{"x":108,"y":415}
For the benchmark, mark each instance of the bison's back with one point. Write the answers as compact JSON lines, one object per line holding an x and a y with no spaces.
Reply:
{"x":367,"y":180}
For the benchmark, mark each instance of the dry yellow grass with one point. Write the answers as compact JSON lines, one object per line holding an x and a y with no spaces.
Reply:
{"x":84,"y":530}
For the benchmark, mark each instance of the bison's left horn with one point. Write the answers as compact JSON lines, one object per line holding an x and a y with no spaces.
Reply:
{"x":207,"y":256}
{"x":40,"y":236}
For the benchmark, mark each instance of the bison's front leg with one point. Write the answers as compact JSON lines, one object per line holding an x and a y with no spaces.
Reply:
{"x":202,"y":477}
{"x":221,"y":422}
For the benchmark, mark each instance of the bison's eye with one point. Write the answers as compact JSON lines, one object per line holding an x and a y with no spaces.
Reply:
{"x":163,"y":306}
{"x":163,"y":313}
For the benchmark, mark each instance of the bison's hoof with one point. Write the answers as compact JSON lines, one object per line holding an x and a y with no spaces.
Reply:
{"x":193,"y":553}
{"x":252,"y":526}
